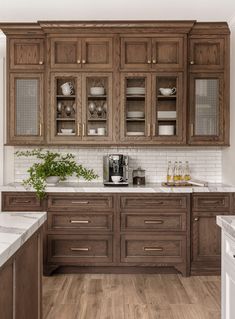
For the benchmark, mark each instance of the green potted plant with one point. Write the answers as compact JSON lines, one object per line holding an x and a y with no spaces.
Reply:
{"x":51,"y":168}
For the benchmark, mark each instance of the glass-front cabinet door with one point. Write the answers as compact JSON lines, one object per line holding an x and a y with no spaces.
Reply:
{"x":97,"y":107}
{"x":136,"y":106}
{"x":168,"y":112}
{"x":26,"y":108}
{"x":206,"y":109}
{"x":65,"y":112}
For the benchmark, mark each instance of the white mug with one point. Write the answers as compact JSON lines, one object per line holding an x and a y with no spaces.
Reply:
{"x":67,"y":88}
{"x":116,"y":179}
{"x":92,"y":131}
{"x":101,"y":131}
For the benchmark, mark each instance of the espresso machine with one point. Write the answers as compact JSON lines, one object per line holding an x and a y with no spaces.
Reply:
{"x":115,"y":170}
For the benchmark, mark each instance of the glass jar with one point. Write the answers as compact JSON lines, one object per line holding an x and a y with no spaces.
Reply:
{"x":138,"y":176}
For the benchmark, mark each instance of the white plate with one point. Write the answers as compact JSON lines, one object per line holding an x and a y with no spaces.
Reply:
{"x":166,"y":114}
{"x":65,"y":133}
{"x":135,"y":114}
{"x":135,"y":133}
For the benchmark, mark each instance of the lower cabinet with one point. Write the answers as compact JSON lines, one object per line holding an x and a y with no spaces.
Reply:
{"x":205,"y":234}
{"x":20,"y":279}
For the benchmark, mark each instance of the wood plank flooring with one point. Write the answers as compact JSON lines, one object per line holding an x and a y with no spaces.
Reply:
{"x":93,"y":296}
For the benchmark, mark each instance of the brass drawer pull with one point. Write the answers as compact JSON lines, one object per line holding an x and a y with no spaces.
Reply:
{"x":153,"y":248}
{"x":216,"y":202}
{"x":154,"y":221}
{"x":79,"y":221}
{"x":79,"y":248}
{"x":82,"y":203}
{"x":156,"y":203}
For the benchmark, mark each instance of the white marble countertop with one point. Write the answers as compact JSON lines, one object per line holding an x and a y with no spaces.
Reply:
{"x":227,"y":223}
{"x":16,"y":229}
{"x":66,"y":187}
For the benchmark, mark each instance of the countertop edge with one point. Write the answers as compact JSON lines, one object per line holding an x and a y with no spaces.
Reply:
{"x":23,"y":237}
{"x":225,"y":222}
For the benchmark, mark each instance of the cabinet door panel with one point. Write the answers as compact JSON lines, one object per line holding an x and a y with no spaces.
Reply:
{"x":65,"y":53}
{"x":97,"y":53}
{"x":6,"y":288}
{"x":27,"y":54}
{"x":26,"y":108}
{"x":28,"y":280}
{"x":208,"y":109}
{"x":206,"y":239}
{"x":206,"y":54}
{"x":167,"y":53}
{"x":136,"y":53}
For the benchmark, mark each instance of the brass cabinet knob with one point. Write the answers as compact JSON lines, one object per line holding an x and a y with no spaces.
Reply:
{"x":154,"y":61}
{"x":192,"y":62}
{"x":196,"y":219}
{"x":40,"y":62}
{"x":83,"y":61}
{"x":149,"y":61}
{"x":78,"y":61}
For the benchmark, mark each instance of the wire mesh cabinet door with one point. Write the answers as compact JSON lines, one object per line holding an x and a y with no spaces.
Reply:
{"x":25,"y":109}
{"x":209,"y":109}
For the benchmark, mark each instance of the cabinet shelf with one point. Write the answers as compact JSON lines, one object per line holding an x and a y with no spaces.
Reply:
{"x":167,"y":120}
{"x":65,"y":119}
{"x":135,"y":120}
{"x":170,"y":97}
{"x":66,"y":97}
{"x":135,"y":97}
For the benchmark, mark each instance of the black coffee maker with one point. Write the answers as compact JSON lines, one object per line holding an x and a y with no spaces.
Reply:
{"x":115,"y":170}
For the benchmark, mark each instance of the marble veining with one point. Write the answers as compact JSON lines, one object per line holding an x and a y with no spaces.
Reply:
{"x":16,"y":229}
{"x":66,"y":187}
{"x":227,"y":223}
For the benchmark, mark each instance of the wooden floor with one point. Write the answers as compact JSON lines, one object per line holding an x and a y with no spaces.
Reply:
{"x":131,"y":297}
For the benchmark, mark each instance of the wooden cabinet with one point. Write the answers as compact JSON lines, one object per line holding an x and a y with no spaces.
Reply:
{"x":150,"y":115}
{"x":81,"y":115}
{"x":26,"y":54}
{"x":208,"y":109}
{"x":25,"y":114}
{"x":147,"y":53}
{"x":82,"y":53}
{"x":21,"y":282}
{"x":206,"y":54}
{"x":205,"y":234}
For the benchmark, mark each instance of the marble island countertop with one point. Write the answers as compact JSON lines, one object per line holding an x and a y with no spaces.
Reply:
{"x":66,"y":187}
{"x":16,"y":229}
{"x":227,"y":223}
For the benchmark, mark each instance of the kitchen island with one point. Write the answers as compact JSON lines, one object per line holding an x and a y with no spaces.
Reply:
{"x":21,"y":264}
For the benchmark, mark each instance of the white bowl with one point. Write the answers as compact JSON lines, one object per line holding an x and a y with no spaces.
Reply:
{"x":135,"y":114}
{"x":96,"y":90}
{"x":67,"y":130}
{"x":166,"y":129}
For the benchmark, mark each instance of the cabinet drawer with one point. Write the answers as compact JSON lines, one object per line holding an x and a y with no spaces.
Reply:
{"x":144,"y":222}
{"x":82,"y":221}
{"x":153,"y":202}
{"x":211,"y":202}
{"x":21,"y":202}
{"x":74,"y":202}
{"x":153,"y":249}
{"x":79,"y":249}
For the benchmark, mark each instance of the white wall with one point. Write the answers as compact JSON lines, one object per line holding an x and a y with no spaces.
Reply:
{"x":228,"y":156}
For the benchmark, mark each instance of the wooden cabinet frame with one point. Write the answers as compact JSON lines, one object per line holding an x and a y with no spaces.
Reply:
{"x":13,"y":138}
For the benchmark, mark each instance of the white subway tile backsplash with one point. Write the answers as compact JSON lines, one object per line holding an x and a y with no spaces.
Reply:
{"x":205,"y":163}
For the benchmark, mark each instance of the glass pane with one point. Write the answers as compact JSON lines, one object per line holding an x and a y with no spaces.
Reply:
{"x":206,"y":106}
{"x":66,"y":107}
{"x":135,"y":106}
{"x":97,"y":106}
{"x":166,"y":106}
{"x":27,"y":106}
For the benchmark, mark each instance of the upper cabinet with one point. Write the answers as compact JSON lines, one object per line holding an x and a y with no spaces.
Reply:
{"x":152,"y":53}
{"x":82,"y":53}
{"x":26,"y":54}
{"x":206,"y":54}
{"x":118,"y":83}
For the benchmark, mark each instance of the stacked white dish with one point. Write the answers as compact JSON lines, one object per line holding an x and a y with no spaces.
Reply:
{"x":166,"y":129}
{"x":166,"y":114}
{"x":97,"y":90}
{"x":135,"y":90}
{"x":134,"y":133}
{"x":135,"y":114}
